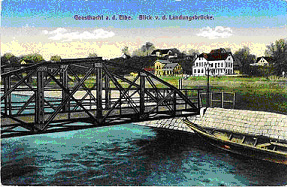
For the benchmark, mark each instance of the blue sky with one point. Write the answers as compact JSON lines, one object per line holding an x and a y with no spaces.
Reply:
{"x":60,"y":13}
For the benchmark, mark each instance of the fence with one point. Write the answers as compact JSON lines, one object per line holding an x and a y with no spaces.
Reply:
{"x":218,"y":99}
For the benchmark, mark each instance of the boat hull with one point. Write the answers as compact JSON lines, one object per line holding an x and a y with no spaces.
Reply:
{"x":246,"y":152}
{"x":240,"y":148}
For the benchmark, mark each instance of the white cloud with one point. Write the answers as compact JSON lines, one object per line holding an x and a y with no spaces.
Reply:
{"x":64,"y":35}
{"x":217,"y":32}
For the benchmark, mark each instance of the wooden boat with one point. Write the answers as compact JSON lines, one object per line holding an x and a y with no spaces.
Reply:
{"x":257,"y":147}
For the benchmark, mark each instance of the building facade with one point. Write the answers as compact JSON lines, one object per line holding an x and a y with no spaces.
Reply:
{"x":220,"y":63}
{"x":165,"y":67}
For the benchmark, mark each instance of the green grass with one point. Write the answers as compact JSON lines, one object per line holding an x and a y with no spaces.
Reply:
{"x":255,"y":93}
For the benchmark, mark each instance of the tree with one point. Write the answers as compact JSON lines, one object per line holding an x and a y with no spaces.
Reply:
{"x":228,"y":49}
{"x":193,"y":52}
{"x":8,"y":58}
{"x":125,"y":50}
{"x":34,"y":58}
{"x":55,"y":58}
{"x":8,"y":55}
{"x":244,"y":56}
{"x":278,"y":52}
{"x":145,"y":49}
{"x":92,"y":55}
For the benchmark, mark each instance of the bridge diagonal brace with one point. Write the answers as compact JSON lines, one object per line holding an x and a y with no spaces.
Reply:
{"x":16,"y":85}
{"x":174,"y":89}
{"x":70,"y":95}
{"x":88,"y":90}
{"x":26,"y":104}
{"x":50,"y":104}
{"x":158,"y":93}
{"x":138,"y":86}
{"x":55,"y":72}
{"x":18,"y":76}
{"x":161,"y":102}
{"x":121,"y":89}
{"x":118,"y":101}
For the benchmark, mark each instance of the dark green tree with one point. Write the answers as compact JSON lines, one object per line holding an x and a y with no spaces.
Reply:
{"x":33,"y":58}
{"x":244,"y":56}
{"x":55,"y":58}
{"x":8,"y":58}
{"x":278,"y":52}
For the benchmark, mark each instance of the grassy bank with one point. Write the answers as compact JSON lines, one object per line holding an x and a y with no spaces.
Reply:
{"x":255,"y":93}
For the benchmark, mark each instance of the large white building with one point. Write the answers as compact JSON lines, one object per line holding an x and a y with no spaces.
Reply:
{"x":220,"y":63}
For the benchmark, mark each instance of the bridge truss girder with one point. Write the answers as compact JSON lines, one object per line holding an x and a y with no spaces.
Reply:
{"x":58,"y":94}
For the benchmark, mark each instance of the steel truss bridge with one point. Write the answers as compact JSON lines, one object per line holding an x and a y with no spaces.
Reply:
{"x":56,"y":96}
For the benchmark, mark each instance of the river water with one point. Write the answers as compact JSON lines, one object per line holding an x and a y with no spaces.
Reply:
{"x":128,"y":154}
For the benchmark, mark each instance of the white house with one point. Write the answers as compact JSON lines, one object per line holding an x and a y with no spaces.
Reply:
{"x":220,"y":63}
{"x":198,"y":67}
{"x":262,"y":61}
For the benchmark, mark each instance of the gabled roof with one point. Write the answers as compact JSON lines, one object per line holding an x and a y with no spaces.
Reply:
{"x":170,"y":66}
{"x":268,"y":59}
{"x":220,"y":50}
{"x":165,"y":51}
{"x":217,"y":56}
{"x":164,"y":61}
{"x":204,"y":55}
